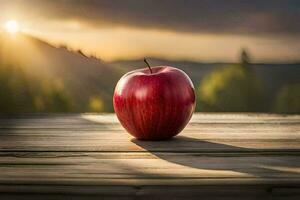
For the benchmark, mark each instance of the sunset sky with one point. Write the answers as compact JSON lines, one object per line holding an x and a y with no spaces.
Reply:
{"x":201,"y":30}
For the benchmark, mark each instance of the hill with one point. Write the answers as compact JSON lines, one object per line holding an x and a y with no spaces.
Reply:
{"x":83,"y":77}
{"x":90,"y":81}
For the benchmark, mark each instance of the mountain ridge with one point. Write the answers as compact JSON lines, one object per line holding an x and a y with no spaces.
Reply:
{"x":85,"y":77}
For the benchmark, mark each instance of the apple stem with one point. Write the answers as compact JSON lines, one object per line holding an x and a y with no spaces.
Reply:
{"x":148,"y":65}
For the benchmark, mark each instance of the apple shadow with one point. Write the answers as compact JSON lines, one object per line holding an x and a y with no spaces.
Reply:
{"x":200,"y":154}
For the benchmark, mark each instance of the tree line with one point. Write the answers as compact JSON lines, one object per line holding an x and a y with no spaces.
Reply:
{"x":234,"y":88}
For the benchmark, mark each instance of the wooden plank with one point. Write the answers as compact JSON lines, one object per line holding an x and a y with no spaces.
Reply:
{"x":180,"y":144}
{"x":97,"y":166}
{"x":221,"y":156}
{"x":143,"y":192}
{"x":229,"y":133}
{"x":127,"y":144}
{"x":137,"y":175}
{"x":89,"y":119}
{"x":197,"y":118}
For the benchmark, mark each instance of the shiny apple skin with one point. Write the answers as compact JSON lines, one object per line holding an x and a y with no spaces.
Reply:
{"x":154,"y":106}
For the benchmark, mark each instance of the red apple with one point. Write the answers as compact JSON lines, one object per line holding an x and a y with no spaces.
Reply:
{"x":154,"y":103}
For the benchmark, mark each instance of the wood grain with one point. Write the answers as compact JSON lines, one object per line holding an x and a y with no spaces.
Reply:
{"x":88,"y":156}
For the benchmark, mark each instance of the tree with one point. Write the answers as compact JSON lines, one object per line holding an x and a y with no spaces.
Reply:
{"x":244,"y":57}
{"x":231,"y":88}
{"x":288,"y":99}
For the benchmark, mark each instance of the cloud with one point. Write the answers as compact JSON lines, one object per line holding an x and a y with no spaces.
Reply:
{"x":256,"y":17}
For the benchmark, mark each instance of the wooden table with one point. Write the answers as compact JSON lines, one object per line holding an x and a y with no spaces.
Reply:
{"x":217,"y":156}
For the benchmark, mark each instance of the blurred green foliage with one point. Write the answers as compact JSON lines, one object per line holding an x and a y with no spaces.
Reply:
{"x":15,"y":91}
{"x":232,"y":88}
{"x":288,"y":99}
{"x":20,"y":93}
{"x":52,"y":97}
{"x":96,"y":104}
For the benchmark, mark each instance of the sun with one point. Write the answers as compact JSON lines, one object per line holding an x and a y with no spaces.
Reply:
{"x":11,"y":26}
